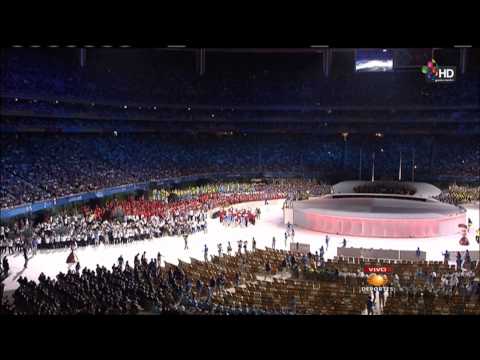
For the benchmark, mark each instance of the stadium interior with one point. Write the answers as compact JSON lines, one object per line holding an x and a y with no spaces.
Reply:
{"x":191,"y":181}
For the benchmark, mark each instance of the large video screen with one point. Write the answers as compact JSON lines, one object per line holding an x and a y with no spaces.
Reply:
{"x":373,"y":60}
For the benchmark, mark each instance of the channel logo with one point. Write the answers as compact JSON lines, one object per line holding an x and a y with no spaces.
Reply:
{"x":435,"y":73}
{"x":377,"y":280}
{"x":377,"y":277}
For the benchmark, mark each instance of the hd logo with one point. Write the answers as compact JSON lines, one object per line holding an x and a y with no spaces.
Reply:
{"x":435,"y":73}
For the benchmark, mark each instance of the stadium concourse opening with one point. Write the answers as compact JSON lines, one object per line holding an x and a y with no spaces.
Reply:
{"x":233,"y":182}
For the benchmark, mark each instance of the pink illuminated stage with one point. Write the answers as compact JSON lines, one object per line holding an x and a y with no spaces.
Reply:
{"x":369,"y":215}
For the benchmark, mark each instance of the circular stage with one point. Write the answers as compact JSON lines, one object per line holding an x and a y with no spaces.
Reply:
{"x":423,"y":190}
{"x":377,"y":215}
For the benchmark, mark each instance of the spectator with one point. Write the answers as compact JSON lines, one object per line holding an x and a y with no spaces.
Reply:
{"x":6,"y":266}
{"x":370,"y":305}
{"x":205,"y":253}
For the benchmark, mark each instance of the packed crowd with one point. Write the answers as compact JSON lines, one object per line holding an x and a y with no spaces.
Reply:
{"x":121,"y":290}
{"x":124,"y":221}
{"x":145,"y":287}
{"x":456,"y":194}
{"x":238,"y":217}
{"x":429,"y":290}
{"x":37,"y":167}
{"x":253,"y":79}
{"x":61,"y":231}
{"x":385,"y":188}
{"x":194,"y":191}
{"x":50,"y":166}
{"x":118,"y":222}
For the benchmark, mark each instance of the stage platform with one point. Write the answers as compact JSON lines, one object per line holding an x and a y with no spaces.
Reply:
{"x":375,"y":215}
{"x":422,"y":190}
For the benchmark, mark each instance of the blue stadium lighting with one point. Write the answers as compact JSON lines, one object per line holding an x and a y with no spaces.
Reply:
{"x":72,"y":186}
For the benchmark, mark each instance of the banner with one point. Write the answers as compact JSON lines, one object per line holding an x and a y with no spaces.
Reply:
{"x":67,"y":200}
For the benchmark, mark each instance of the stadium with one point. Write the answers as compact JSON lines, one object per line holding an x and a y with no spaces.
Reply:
{"x":239,"y":181}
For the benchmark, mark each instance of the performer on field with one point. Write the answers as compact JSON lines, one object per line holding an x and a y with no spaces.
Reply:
{"x":72,"y":259}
